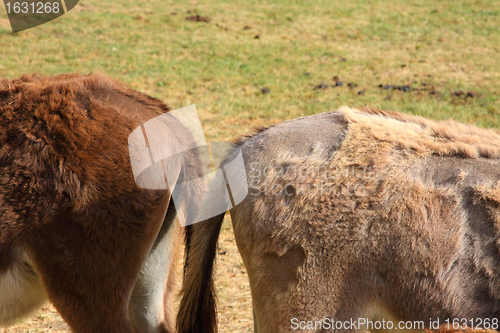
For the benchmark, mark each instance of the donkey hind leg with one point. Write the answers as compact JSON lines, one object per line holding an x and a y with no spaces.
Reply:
{"x":151,"y":305}
{"x":90,"y":279}
{"x":21,"y":291}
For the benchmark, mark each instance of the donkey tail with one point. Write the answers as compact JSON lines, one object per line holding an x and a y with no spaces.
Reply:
{"x":197,"y":308}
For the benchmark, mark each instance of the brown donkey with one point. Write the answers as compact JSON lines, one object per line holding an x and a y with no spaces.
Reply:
{"x":74,"y":226}
{"x":357,"y":216}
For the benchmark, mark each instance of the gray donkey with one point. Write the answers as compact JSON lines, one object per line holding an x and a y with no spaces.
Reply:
{"x":359,"y":219}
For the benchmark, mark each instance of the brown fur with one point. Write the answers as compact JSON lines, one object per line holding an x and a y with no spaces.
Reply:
{"x":446,"y":138}
{"x":396,"y":217}
{"x":69,"y":205}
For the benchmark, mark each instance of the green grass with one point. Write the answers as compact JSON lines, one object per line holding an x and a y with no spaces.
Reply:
{"x":449,"y":46}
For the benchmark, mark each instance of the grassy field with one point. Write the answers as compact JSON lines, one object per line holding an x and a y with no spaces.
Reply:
{"x":253,"y":63}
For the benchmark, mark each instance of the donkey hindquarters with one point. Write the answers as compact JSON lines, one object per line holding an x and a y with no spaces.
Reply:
{"x":360,"y":214}
{"x":74,"y":226}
